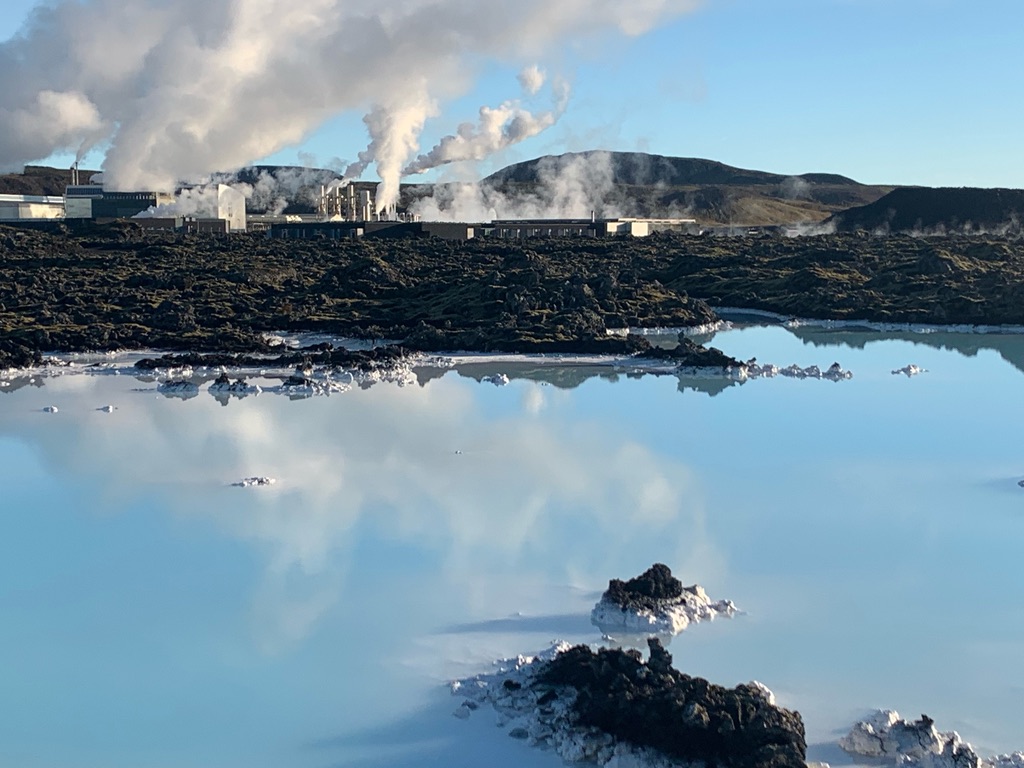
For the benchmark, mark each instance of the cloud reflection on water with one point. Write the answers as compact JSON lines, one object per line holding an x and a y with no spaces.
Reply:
{"x":486,"y":492}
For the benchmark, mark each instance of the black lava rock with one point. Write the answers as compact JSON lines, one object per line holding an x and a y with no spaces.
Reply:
{"x":687,"y":718}
{"x":647,"y":591}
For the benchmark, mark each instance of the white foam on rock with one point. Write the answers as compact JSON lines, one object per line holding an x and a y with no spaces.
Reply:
{"x":885,"y":735}
{"x":671,"y":618}
{"x":547,"y":723}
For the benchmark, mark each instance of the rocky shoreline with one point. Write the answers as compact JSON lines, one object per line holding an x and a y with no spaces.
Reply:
{"x":119,"y":287}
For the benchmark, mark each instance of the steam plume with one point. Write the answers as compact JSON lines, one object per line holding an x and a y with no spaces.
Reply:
{"x":499,"y":128}
{"x":173,"y":91}
{"x":571,"y":186}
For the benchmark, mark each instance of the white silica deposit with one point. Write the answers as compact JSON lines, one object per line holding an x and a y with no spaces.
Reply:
{"x":178,"y":388}
{"x":834,"y":372}
{"x":671,"y":616}
{"x":497,"y":379}
{"x":909,"y":370}
{"x":239,"y":386}
{"x":919,"y":744}
{"x":255,"y":482}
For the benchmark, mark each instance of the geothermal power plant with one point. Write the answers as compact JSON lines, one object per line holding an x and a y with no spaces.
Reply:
{"x":344,"y":211}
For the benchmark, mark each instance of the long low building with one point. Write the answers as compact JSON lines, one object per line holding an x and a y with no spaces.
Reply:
{"x":30,"y":207}
{"x":351,"y":230}
{"x":509,"y":229}
{"x":517,"y":229}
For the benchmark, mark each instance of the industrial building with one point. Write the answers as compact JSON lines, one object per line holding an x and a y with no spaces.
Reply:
{"x":352,"y":230}
{"x":30,"y":207}
{"x":91,"y":201}
{"x":308,"y":228}
{"x":343,"y":211}
{"x":517,"y":229}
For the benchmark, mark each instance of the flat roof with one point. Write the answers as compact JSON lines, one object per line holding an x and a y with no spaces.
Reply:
{"x":37,"y":199}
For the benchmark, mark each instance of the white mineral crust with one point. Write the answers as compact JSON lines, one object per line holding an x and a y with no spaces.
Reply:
{"x":909,"y":370}
{"x":834,"y":372}
{"x":178,"y":388}
{"x":885,"y":735}
{"x":238,"y":387}
{"x":255,"y":482}
{"x":672,"y":617}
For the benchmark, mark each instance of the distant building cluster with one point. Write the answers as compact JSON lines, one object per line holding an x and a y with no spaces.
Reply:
{"x":344,"y":212}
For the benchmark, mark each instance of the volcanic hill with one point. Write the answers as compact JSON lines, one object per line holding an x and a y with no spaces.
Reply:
{"x":929,"y":210}
{"x":640,"y":184}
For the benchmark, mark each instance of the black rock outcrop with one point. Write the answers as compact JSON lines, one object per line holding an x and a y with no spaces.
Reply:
{"x":648,"y":591}
{"x":687,"y":718}
{"x":691,"y":355}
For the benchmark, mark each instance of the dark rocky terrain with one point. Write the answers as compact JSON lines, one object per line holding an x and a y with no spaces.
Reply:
{"x":654,"y":705}
{"x":118,"y":287}
{"x":963,"y":210}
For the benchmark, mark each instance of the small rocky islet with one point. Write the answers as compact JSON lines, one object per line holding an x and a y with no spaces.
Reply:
{"x":655,"y":602}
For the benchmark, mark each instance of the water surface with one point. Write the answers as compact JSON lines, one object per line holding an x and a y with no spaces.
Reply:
{"x":155,"y":616}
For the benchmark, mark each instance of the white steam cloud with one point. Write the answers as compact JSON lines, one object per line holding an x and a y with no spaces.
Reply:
{"x":175,"y":91}
{"x":499,"y":127}
{"x":532,"y":79}
{"x":570,"y":186}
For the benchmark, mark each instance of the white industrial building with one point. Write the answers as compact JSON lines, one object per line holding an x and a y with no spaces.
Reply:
{"x":23,"y":207}
{"x":231,"y":208}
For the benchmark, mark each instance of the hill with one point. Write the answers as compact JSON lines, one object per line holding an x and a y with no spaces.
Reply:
{"x":938,"y":210}
{"x":39,"y":180}
{"x":641,"y":169}
{"x":640,"y":184}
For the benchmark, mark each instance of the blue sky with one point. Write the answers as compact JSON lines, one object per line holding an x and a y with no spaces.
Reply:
{"x":884,"y":91}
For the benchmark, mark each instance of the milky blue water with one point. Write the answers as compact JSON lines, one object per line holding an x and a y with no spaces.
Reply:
{"x":152,"y":615}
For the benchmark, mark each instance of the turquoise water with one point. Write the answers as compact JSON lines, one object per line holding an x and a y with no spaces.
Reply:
{"x":152,"y":615}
